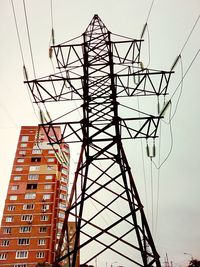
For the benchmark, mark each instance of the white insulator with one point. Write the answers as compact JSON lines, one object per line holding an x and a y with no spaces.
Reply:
{"x":158,"y":106}
{"x":154,"y":150}
{"x":25,"y":73}
{"x":143,"y":31}
{"x":141,"y":65}
{"x":53,"y":36}
{"x":50,"y":52}
{"x":175,"y":62}
{"x":48,"y":115}
{"x":147,"y":150}
{"x":42,"y":117}
{"x":162,"y":113}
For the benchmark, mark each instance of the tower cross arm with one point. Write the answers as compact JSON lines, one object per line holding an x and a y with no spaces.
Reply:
{"x":142,"y":82}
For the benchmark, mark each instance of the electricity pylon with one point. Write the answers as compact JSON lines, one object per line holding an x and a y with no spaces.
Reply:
{"x":104,"y":202}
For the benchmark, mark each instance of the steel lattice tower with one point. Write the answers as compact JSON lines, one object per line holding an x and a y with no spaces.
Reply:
{"x":104,"y":201}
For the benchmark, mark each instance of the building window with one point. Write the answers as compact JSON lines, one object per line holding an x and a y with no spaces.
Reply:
{"x":20,"y":160}
{"x":5,"y":243}
{"x":13,"y":197}
{"x":59,"y":225}
{"x":14,"y":187}
{"x":65,"y":171}
{"x":44,"y":218}
{"x":3,"y":256}
{"x":22,"y":152}
{"x":51,"y":152}
{"x":19,"y":169}
{"x":7,"y":230}
{"x":50,"y":168}
{"x":23,"y":145}
{"x":45,"y":207}
{"x":34,"y":168}
{"x":41,"y":242}
{"x":62,"y":187}
{"x":35,"y":159}
{"x":25,"y":229}
{"x":64,"y":179}
{"x":33,"y":177}
{"x":24,"y":138}
{"x":63,"y":197}
{"x":46,"y":196}
{"x":17,"y":178}
{"x":49,"y":177}
{"x":50,"y":159}
{"x":23,"y":241}
{"x":47,"y":186}
{"x":31,"y":186}
{"x":20,"y":265}
{"x":40,"y":254}
{"x":43,"y":229}
{"x":27,"y":217}
{"x":62,"y":206}
{"x":30,"y":196}
{"x":28,"y":206}
{"x":61,"y":215}
{"x":9,"y":219}
{"x":37,"y":151}
{"x":21,"y":254}
{"x":11,"y":207}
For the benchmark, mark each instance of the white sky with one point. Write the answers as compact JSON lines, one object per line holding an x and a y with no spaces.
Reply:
{"x":169,"y":24}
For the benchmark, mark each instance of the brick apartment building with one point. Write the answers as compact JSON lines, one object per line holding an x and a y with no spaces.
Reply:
{"x":36,"y":200}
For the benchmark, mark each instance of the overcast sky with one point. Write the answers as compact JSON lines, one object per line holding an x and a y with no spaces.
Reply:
{"x":170,"y":23}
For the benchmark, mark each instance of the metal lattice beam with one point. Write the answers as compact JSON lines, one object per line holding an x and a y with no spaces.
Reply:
{"x":104,"y":202}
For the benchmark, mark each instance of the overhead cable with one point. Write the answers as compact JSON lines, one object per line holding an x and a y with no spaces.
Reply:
{"x":149,"y":13}
{"x":29,"y":39}
{"x":21,"y":52}
{"x":190,"y":34}
{"x":17,"y":30}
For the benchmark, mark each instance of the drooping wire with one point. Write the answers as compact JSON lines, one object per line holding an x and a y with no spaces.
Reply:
{"x":158,"y":183}
{"x":29,"y":39}
{"x":149,"y":48}
{"x":152,"y":195}
{"x":187,"y":70}
{"x":22,"y":55}
{"x":190,"y":34}
{"x":172,"y":116}
{"x":171,"y":143}
{"x":51,"y":7}
{"x":24,"y":68}
{"x":181,"y":90}
{"x":143,"y":163}
{"x":180,"y":84}
{"x":149,"y":13}
{"x":148,"y":34}
{"x":31,"y":50}
{"x":17,"y":30}
{"x":179,"y":58}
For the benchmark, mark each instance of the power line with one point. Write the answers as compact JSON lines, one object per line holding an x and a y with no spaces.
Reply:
{"x":172,"y":116}
{"x":51,"y":7}
{"x":149,"y":13}
{"x":190,"y":65}
{"x":21,"y":52}
{"x":190,"y":34}
{"x":17,"y":30}
{"x":152,"y":196}
{"x":29,"y":39}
